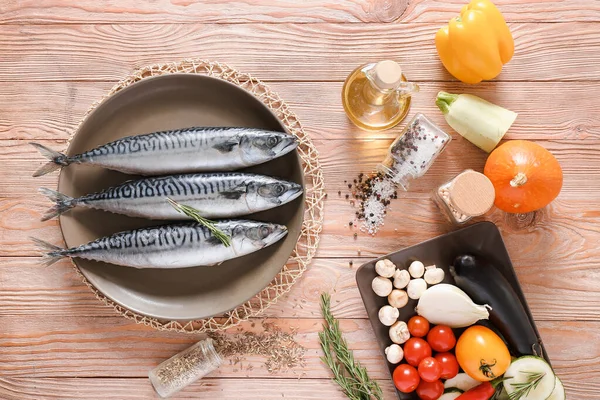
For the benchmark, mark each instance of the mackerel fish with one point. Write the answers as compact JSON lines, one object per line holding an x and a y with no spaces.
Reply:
{"x":172,"y":246}
{"x":218,"y":195}
{"x":179,"y":151}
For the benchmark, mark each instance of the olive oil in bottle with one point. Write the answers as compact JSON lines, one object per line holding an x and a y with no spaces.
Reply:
{"x":376,"y":96}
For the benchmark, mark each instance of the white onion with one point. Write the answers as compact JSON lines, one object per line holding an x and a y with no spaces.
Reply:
{"x":446,"y":304}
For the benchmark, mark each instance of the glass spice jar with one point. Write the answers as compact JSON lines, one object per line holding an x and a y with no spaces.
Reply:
{"x":470,"y":194}
{"x":184,"y":368}
{"x":414,"y":151}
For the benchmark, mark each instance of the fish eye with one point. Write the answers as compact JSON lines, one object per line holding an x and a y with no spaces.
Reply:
{"x":264,"y":232}
{"x":279,"y":189}
{"x":272,"y":141}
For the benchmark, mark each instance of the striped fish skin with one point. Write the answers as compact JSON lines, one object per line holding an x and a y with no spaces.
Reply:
{"x":219,"y":195}
{"x":173,"y":246}
{"x":180,"y":151}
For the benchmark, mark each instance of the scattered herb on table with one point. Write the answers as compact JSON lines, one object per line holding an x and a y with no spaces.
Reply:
{"x":347,"y":372}
{"x":280,"y":349}
{"x":195,"y":214}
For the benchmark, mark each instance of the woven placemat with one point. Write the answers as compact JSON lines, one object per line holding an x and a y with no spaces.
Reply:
{"x":313,"y":217}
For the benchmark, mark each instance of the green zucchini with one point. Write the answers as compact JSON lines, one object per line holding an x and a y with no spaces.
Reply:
{"x":529,"y":378}
{"x":462,"y":382}
{"x":450,"y":396}
{"x":559,"y":391}
{"x":480,"y":122}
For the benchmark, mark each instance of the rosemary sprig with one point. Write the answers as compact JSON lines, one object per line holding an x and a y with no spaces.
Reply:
{"x":347,"y":372}
{"x":523,"y":388}
{"x":195,"y":214}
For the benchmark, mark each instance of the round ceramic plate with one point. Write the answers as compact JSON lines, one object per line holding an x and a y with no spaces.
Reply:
{"x":161,"y":103}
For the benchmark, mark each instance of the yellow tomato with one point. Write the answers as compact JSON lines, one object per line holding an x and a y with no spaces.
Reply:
{"x":482,"y":354}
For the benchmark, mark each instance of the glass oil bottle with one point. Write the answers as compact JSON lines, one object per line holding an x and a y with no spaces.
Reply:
{"x":376,"y":96}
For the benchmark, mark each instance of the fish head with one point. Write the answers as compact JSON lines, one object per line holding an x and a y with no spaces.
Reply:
{"x":260,"y":234}
{"x":264,"y":145}
{"x":272,"y":193}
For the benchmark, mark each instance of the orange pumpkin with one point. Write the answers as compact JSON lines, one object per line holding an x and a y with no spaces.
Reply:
{"x":525,"y":175}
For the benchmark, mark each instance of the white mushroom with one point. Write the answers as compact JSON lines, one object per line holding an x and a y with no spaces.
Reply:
{"x":401,"y":278}
{"x":388,"y":315}
{"x":416,"y":269}
{"x":399,"y":332}
{"x":416,"y":288}
{"x":385,"y":268}
{"x":381,"y":286}
{"x":398,"y":298}
{"x":394,"y":353}
{"x":433,"y":275}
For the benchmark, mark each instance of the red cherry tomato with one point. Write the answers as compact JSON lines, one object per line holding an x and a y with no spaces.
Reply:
{"x":449,"y":365}
{"x":430,"y":369}
{"x":441,"y":338}
{"x":418,"y":326}
{"x":415,"y":350}
{"x":406,"y":378}
{"x":430,"y":390}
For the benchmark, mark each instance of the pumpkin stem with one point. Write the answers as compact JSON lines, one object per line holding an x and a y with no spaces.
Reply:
{"x":519,"y":180}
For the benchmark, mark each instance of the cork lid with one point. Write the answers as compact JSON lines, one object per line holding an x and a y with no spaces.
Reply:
{"x":387,"y":74}
{"x":472,"y":193}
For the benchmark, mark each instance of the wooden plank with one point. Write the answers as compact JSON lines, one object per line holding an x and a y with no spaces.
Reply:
{"x":52,"y":110}
{"x":205,"y":11}
{"x":342,"y":161}
{"x":411,"y":219}
{"x":279,"y":11}
{"x":112,"y":347}
{"x":561,"y":51}
{"x":30,"y":289}
{"x":208,"y":389}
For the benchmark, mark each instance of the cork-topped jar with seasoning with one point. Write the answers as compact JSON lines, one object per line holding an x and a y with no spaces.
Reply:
{"x":414,"y":150}
{"x":470,"y":194}
{"x":185,"y":368}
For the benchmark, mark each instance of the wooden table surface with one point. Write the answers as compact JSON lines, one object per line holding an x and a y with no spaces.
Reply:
{"x":58,"y":56}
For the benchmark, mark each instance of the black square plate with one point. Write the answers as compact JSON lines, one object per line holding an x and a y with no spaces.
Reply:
{"x":482,"y":238}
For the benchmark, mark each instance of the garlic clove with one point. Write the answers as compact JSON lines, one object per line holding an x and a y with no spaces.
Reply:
{"x":381,"y":286}
{"x":416,"y":269}
{"x":401,"y":278}
{"x":434,"y":275}
{"x":388,"y":315}
{"x":398,"y":298}
{"x":385,"y":268}
{"x":394,"y":354}
{"x":399,"y":332}
{"x":416,"y":288}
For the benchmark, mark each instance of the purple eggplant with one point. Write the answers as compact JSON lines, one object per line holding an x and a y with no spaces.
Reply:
{"x":485,"y":284}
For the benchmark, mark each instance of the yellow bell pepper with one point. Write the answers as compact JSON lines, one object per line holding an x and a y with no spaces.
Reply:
{"x":475,"y":45}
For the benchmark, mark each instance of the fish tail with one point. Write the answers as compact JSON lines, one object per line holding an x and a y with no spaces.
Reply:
{"x":57,"y":160}
{"x":62,"y":202}
{"x":50,"y":252}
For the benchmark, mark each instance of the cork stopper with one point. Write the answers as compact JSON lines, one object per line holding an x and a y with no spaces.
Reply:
{"x":387,"y":74}
{"x":472,"y":193}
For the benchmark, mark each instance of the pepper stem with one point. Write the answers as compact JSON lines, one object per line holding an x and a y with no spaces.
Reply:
{"x":444,"y":100}
{"x":519,"y":180}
